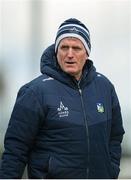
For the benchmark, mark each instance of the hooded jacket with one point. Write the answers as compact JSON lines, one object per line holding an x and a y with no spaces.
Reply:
{"x":62,"y":128}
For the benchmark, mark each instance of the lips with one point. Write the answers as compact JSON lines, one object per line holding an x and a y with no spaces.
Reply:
{"x":70,"y":62}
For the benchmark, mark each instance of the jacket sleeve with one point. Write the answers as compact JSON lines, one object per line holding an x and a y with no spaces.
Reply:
{"x":20,"y":135}
{"x":116,"y":134}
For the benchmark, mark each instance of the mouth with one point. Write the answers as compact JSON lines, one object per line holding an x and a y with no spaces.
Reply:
{"x":70,"y":62}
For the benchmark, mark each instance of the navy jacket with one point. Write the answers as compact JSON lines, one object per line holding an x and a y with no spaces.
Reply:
{"x":62,"y":128}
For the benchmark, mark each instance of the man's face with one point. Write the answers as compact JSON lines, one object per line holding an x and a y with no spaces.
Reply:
{"x":71,"y":56}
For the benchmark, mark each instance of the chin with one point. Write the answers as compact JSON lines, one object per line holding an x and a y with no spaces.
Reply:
{"x":71,"y":72}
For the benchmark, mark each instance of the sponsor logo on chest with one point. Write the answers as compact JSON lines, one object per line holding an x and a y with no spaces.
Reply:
{"x":62,"y":110}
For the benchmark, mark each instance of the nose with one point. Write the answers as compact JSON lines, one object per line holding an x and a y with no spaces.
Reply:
{"x":70,"y":53}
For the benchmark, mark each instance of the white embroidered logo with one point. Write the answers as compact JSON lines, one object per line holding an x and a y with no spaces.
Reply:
{"x":74,"y":29}
{"x":62,"y":110}
{"x":48,"y":79}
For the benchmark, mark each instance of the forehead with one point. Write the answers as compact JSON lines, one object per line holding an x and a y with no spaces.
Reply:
{"x":70,"y":41}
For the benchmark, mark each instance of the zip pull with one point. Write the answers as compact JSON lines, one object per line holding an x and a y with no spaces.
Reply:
{"x":80,"y":91}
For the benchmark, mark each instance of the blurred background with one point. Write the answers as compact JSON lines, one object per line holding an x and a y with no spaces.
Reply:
{"x":27,"y":27}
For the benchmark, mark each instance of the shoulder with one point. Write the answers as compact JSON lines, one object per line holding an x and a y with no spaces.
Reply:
{"x":102,"y":79}
{"x":106,"y":88}
{"x":104,"y":84}
{"x":37,"y":86}
{"x":33,"y":83}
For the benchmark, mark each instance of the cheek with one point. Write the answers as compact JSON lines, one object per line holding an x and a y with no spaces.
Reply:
{"x":60,"y":59}
{"x":82,"y":62}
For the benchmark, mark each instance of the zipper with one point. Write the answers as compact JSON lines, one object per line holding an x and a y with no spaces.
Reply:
{"x":86,"y":126}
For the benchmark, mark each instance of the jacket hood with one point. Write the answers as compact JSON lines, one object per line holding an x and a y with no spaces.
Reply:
{"x":50,"y":67}
{"x":48,"y":60}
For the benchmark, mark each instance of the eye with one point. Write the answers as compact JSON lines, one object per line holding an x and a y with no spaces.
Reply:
{"x":64,"y":47}
{"x":77,"y":48}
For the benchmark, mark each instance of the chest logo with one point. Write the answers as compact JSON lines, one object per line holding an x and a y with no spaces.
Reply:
{"x":62,"y":110}
{"x":100,"y":108}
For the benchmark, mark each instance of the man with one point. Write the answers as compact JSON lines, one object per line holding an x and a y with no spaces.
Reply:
{"x":67,"y":122}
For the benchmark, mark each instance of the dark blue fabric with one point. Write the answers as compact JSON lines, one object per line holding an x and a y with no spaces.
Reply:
{"x":48,"y":132}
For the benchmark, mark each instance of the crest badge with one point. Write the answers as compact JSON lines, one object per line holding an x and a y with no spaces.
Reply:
{"x":100,"y":108}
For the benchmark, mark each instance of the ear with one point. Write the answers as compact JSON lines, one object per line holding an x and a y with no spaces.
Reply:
{"x":87,"y":56}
